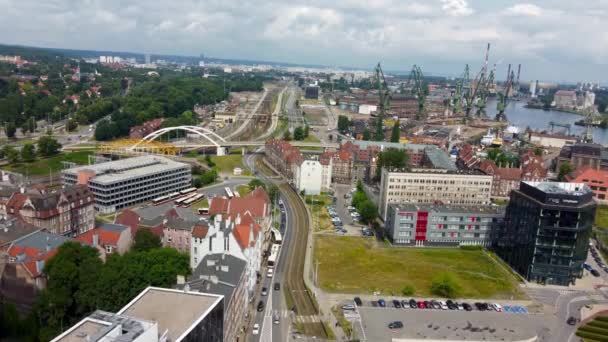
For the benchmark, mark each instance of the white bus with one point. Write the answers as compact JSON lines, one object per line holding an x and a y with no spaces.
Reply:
{"x":274,"y":254}
{"x":192,"y":199}
{"x":187,"y":191}
{"x":203,"y":211}
{"x":278,"y":239}
{"x":160,"y":200}
{"x":228,"y":192}
{"x":182,"y":199}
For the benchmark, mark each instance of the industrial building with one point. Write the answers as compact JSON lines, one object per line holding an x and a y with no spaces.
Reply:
{"x":545,"y":236}
{"x":433,"y":186}
{"x":413,"y":224}
{"x":126,"y":182}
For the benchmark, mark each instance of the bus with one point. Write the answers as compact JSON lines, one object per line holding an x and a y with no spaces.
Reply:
{"x":192,"y":199}
{"x":182,"y":199}
{"x":203,"y":211}
{"x":228,"y":192}
{"x":274,"y":254}
{"x":276,"y":234}
{"x":187,"y":191}
{"x":160,"y":200}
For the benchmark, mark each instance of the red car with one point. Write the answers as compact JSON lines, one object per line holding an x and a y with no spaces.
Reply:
{"x":421,"y":305}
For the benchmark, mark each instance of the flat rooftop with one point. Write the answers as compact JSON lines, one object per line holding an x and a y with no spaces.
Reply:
{"x":572,"y":189}
{"x":175,"y":311}
{"x":444,"y":208}
{"x":83,"y":330}
{"x":102,"y":325}
{"x":128,"y":168}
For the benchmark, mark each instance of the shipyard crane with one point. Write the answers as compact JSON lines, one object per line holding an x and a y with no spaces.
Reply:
{"x":419,"y":89}
{"x":384,"y":94}
{"x":587,"y":137}
{"x":503,"y":98}
{"x":554,"y":124}
{"x":480,"y":80}
{"x":458,"y":100}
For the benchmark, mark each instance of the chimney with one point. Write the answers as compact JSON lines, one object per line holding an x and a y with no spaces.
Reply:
{"x":95,"y":240}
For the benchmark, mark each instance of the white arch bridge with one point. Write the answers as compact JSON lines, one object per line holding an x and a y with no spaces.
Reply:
{"x":211,"y":139}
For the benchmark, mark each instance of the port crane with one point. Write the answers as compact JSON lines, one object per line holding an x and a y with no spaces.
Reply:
{"x":384,"y":102}
{"x":503,"y":98}
{"x":472,"y":96}
{"x":419,"y":89}
{"x":457,"y":102}
{"x":554,"y":124}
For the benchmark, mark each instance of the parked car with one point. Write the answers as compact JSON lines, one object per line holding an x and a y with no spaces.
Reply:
{"x":437,"y":305}
{"x":443,"y":305}
{"x":428,"y":304}
{"x":264,"y":291}
{"x":395,"y":325}
{"x":270,"y":273}
{"x":459,"y":306}
{"x":587,"y":267}
{"x":467,"y":306}
{"x":405,"y":304}
{"x":358,"y":301}
{"x":396,"y":304}
{"x":595,"y":273}
{"x":348,"y":307}
{"x":480,"y":306}
{"x":451,"y":305}
{"x":571,"y":320}
{"x":256,"y":329}
{"x":421,"y":305}
{"x":413,"y":304}
{"x":381,"y":303}
{"x":497,"y":307}
{"x":260,"y":306}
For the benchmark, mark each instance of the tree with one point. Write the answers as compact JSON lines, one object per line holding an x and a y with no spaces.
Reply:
{"x":208,"y":177}
{"x":343,"y":124}
{"x":48,"y":146}
{"x":28,"y":152}
{"x":358,"y":198}
{"x":10,"y":129}
{"x":256,"y":183}
{"x":538,"y":151}
{"x":11,"y":154}
{"x":287,"y":136}
{"x":145,"y":240}
{"x":298,"y":134}
{"x":71,"y":125}
{"x":395,"y":134}
{"x":368,"y":211}
{"x":564,"y":169}
{"x":379,"y":134}
{"x":391,"y":158}
{"x":367,"y":135}
{"x":273,"y":192}
{"x":445,"y":285}
{"x":210,"y":162}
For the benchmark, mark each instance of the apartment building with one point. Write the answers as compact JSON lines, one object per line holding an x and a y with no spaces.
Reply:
{"x":433,"y":186}
{"x":596,"y":180}
{"x":282,"y":156}
{"x":126,"y":182}
{"x":443,"y":225}
{"x":313,"y":176}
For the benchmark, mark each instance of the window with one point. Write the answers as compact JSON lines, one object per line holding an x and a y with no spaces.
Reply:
{"x":169,"y":238}
{"x":195,"y":250}
{"x":108,"y":249}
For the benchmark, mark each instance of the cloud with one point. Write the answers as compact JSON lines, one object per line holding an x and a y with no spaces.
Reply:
{"x":456,"y":8}
{"x":529,"y":10}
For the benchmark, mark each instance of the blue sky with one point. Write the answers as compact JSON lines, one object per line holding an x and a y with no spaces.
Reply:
{"x":553,"y":40}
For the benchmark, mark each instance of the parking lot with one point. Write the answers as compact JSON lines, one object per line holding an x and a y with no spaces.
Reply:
{"x":344,"y":216}
{"x":411,"y":304}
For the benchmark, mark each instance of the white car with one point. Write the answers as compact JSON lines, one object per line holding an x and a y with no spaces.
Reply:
{"x":497,"y":307}
{"x":256,"y":329}
{"x":444,"y":305}
{"x":270,"y":273}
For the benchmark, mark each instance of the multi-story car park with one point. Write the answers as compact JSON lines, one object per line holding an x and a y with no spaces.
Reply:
{"x":122,"y":183}
{"x":413,"y":224}
{"x":545,"y":236}
{"x":431,"y":186}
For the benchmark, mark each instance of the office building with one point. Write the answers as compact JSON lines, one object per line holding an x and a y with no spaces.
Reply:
{"x":433,"y":186}
{"x":155,"y":315}
{"x":444,"y":225}
{"x":126,"y":182}
{"x":545,"y":236}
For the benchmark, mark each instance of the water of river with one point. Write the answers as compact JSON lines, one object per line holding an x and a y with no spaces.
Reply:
{"x":519,"y":115}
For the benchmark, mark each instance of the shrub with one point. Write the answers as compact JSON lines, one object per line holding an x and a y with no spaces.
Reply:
{"x":471,"y":248}
{"x":408,"y":290}
{"x":445,"y":285}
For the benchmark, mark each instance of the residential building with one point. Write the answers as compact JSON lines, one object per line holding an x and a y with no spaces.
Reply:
{"x":596,"y":180}
{"x":565,"y":99}
{"x":155,"y":315}
{"x":545,"y":237}
{"x":427,"y":224}
{"x":430,"y":186}
{"x":283,"y":156}
{"x":69,"y":211}
{"x":313,"y":176}
{"x":139,"y":132}
{"x":225,"y":275}
{"x":12,"y":229}
{"x":177,"y":232}
{"x":581,"y":154}
{"x":108,"y":238}
{"x":342,"y":162}
{"x":256,"y":204}
{"x":126,"y":182}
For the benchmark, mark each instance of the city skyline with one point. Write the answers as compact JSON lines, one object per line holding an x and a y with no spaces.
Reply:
{"x":555,"y":41}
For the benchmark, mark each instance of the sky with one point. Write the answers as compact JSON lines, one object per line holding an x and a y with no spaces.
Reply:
{"x":554,"y":40}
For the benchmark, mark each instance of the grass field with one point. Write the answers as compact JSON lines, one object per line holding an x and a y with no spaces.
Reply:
{"x":227,"y":163}
{"x":601,"y":217}
{"x":318,"y":209}
{"x":243,"y":190}
{"x":311,"y":138}
{"x":596,"y":330}
{"x":41,"y":166}
{"x":200,"y":204}
{"x":356,"y":265}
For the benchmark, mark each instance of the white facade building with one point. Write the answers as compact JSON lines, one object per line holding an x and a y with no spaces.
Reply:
{"x":313,"y":176}
{"x":367,"y":109}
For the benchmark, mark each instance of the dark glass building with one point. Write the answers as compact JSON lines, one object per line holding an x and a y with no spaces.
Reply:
{"x":545,"y":236}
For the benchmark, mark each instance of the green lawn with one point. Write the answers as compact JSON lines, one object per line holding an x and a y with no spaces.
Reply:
{"x":243,"y":190}
{"x":227,"y":163}
{"x":41,"y":166}
{"x":356,"y":265}
{"x":596,"y":330}
{"x":601,"y":217}
{"x":200,"y":204}
{"x":311,"y":138}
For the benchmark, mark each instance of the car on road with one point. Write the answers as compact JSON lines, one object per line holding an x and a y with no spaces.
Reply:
{"x":436,"y":305}
{"x":264,"y":291}
{"x":571,"y":320}
{"x":451,"y":305}
{"x":260,"y":306}
{"x":459,"y":306}
{"x":396,"y":304}
{"x":270,"y":273}
{"x":381,"y":303}
{"x":348,"y":307}
{"x":358,"y":301}
{"x":277,"y":286}
{"x":595,"y":273}
{"x":276,"y":318}
{"x":395,"y":325}
{"x":481,"y":306}
{"x":256,"y":329}
{"x":467,"y":307}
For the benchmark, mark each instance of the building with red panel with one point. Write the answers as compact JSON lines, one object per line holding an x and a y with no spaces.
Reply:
{"x":442,"y":225}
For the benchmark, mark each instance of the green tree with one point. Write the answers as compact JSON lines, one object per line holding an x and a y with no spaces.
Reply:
{"x":287,"y":136}
{"x":367,"y":135}
{"x":48,"y":146}
{"x":379,"y":134}
{"x":298,"y":134}
{"x":564,"y":169}
{"x":396,"y":133}
{"x":28,"y":153}
{"x":11,"y":154}
{"x":444,"y":285}
{"x":145,"y":240}
{"x":208,"y":177}
{"x":343,"y":124}
{"x":254,"y":183}
{"x":368,"y":211}
{"x":358,"y":198}
{"x":538,"y":151}
{"x":273,"y":192}
{"x":10,"y":129}
{"x":71,"y":125}
{"x":391,"y":158}
{"x":210,"y":162}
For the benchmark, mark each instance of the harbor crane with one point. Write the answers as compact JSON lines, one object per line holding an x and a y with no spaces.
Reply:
{"x":384,"y":94}
{"x":457,"y":102}
{"x":419,"y":89}
{"x":478,"y":85}
{"x":587,"y":137}
{"x":554,"y":124}
{"x":503,"y":97}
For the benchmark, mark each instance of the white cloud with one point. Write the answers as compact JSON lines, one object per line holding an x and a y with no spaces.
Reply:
{"x":456,"y":8}
{"x":529,"y":10}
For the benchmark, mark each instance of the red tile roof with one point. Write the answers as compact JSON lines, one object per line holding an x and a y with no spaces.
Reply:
{"x":106,"y":237}
{"x":506,"y":173}
{"x":488,"y":167}
{"x":242,"y":233}
{"x":218,"y":205}
{"x":199,"y":231}
{"x":588,"y":174}
{"x":128,"y":218}
{"x":256,"y":203}
{"x":15,"y":203}
{"x":30,"y":265}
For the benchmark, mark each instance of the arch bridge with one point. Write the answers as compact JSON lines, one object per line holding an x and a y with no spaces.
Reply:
{"x":212,"y":138}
